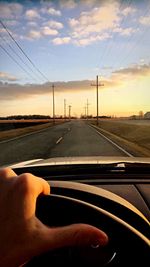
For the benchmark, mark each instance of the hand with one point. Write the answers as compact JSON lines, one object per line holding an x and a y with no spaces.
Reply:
{"x":22,"y":234}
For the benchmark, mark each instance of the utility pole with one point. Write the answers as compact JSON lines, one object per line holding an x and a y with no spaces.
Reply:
{"x":64,"y":109}
{"x":97,"y":87}
{"x":84,"y":112}
{"x":53,"y":91}
{"x":87,"y":109}
{"x":69,"y":112}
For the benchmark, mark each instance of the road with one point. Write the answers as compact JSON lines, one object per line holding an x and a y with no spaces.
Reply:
{"x":75,"y":138}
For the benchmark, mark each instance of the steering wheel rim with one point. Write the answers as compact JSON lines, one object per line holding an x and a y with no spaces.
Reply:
{"x":118,"y":230}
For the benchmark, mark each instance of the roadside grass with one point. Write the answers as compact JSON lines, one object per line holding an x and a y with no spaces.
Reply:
{"x":10,"y":134}
{"x":131,"y":136}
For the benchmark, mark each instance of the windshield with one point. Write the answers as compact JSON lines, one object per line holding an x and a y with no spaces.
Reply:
{"x":74,"y":79}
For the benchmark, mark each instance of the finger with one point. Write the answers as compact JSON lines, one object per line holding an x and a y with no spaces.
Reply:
{"x":33,"y":185}
{"x":72,"y":235}
{"x":42,"y":186}
{"x":7,"y":173}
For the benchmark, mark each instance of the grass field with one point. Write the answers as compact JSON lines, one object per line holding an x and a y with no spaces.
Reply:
{"x":13,"y":133}
{"x":135,"y":136}
{"x":15,"y":124}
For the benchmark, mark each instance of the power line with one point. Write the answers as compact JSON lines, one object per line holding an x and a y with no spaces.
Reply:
{"x":117,"y":45}
{"x":137,"y":41}
{"x":15,"y":60}
{"x":13,"y":50}
{"x":23,"y":51}
{"x":108,"y":47}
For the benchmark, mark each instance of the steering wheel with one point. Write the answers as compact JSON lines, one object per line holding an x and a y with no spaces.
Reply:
{"x":72,"y":202}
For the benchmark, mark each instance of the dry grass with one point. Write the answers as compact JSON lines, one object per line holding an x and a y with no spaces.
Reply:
{"x":136,"y":136}
{"x":4,"y":135}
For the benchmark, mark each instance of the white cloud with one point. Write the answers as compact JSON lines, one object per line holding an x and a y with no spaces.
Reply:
{"x":69,"y":4}
{"x":54,"y":24}
{"x":97,"y":20}
{"x":145,"y":20}
{"x":54,"y":12}
{"x":32,"y":14}
{"x":48,"y":31}
{"x":35,"y":34}
{"x":7,"y":77}
{"x":60,"y":41}
{"x":32,"y":34}
{"x":73,"y":22}
{"x":128,"y":10}
{"x":127,"y":31}
{"x":10,"y":10}
{"x":91,"y":39}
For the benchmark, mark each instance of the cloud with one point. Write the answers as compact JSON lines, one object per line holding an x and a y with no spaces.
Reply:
{"x":54,"y":24}
{"x":32,"y":14}
{"x":60,"y":41}
{"x":145,"y":20}
{"x":69,"y":4}
{"x":128,"y":11}
{"x":125,"y":32}
{"x":37,"y":34}
{"x":90,"y":3}
{"x":91,"y":39}
{"x":10,"y":10}
{"x":33,"y":34}
{"x":12,"y":91}
{"x":97,"y":20}
{"x":9,"y":91}
{"x":135,"y":71}
{"x":54,"y":12}
{"x":7,"y":77}
{"x":48,"y":31}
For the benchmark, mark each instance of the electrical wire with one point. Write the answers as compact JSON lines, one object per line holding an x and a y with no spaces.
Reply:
{"x":23,"y":51}
{"x":13,"y":50}
{"x":15,"y":60}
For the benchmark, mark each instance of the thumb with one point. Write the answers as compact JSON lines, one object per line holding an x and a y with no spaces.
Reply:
{"x":72,"y":235}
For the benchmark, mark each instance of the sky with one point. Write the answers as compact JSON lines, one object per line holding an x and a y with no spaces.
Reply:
{"x":68,"y":43}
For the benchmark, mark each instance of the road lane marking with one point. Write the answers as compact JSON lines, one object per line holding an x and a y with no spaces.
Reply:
{"x":59,"y":140}
{"x":109,"y":140}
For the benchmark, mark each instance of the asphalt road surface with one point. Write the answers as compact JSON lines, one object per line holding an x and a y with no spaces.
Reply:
{"x":75,"y":138}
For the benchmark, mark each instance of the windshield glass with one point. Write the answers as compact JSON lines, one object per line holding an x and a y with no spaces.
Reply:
{"x":74,"y":79}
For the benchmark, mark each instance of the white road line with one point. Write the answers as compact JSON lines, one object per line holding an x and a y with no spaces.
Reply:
{"x":109,"y":140}
{"x":59,"y":140}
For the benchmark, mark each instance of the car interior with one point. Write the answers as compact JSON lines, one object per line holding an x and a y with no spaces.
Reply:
{"x":112,"y":196}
